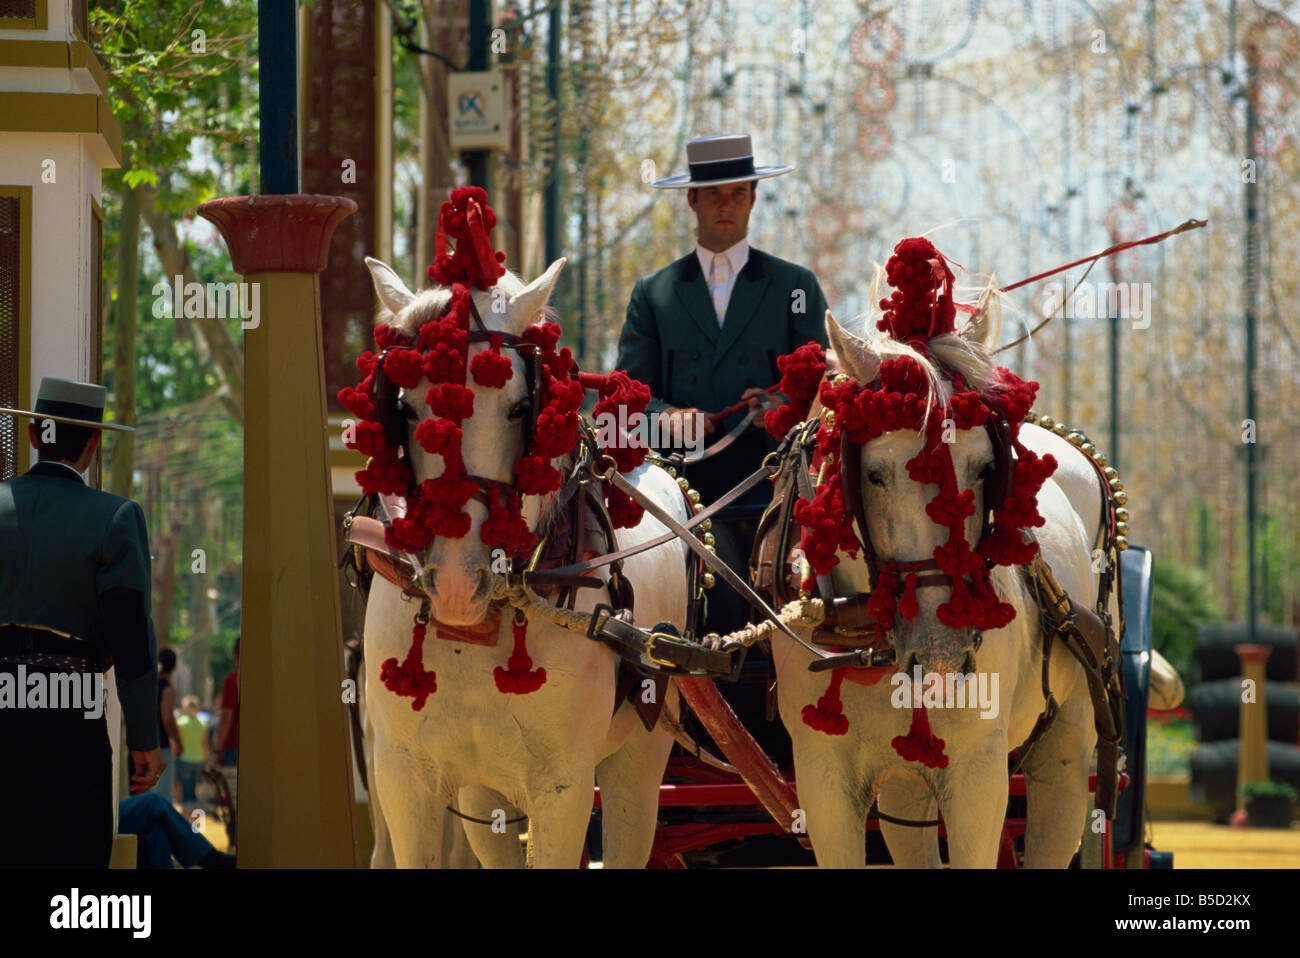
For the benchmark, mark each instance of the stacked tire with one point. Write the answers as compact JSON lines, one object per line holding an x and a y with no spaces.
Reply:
{"x":1216,"y":706}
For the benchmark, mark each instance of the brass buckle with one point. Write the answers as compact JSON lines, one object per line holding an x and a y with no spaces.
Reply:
{"x":650,"y":650}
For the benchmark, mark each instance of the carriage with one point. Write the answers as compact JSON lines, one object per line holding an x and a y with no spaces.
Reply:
{"x":597,"y":503}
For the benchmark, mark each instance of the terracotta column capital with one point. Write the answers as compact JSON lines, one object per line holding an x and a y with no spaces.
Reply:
{"x":1252,"y":653}
{"x":278,"y":233}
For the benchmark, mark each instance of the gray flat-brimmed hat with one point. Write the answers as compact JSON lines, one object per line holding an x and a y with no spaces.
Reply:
{"x":718,"y":160}
{"x":70,"y":401}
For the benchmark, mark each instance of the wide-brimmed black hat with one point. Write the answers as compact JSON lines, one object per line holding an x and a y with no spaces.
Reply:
{"x":70,"y":401}
{"x":718,"y":160}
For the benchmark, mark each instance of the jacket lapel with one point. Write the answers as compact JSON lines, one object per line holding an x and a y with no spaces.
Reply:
{"x":693,"y":294}
{"x":746,"y":297}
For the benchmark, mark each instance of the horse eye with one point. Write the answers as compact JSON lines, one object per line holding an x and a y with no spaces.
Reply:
{"x":876,"y":479}
{"x":987,"y":471}
{"x":409,"y":412}
{"x":519,"y":409}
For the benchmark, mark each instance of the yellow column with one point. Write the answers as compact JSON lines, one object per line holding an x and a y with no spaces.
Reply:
{"x":295,"y":800}
{"x":1252,"y":735}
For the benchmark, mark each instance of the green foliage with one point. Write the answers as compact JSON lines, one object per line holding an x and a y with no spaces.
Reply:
{"x":1170,"y":743}
{"x":1269,"y":788}
{"x":1183,"y":598}
{"x":182,"y":84}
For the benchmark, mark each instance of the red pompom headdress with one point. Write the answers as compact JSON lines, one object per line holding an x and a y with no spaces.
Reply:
{"x":920,"y":307}
{"x":438,"y":354}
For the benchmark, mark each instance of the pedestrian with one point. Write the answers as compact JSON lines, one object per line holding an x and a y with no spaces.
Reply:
{"x":227,"y":747}
{"x":74,"y":599}
{"x":194,"y":750}
{"x":169,"y":736}
{"x":706,"y":332}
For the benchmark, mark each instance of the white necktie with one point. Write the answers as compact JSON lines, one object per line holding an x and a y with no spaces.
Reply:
{"x":719,"y":281}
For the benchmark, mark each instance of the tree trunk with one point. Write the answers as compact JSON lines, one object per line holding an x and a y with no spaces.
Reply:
{"x":128,"y":283}
{"x":210,"y":334}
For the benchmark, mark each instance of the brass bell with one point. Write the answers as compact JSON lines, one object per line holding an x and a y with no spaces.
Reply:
{"x":683,"y":483}
{"x":672,"y":472}
{"x":1060,"y":429}
{"x":1121,"y":515}
{"x":1121,"y":528}
{"x":1121,"y":498}
{"x":1047,"y":422}
{"x":706,"y":525}
{"x":1110,"y":473}
{"x":1031,"y":417}
{"x":708,"y":539}
{"x":1101,"y":459}
{"x":694,"y":496}
{"x":1077,"y":437}
{"x":1117,"y":485}
{"x":699,"y":506}
{"x":829,"y":416}
{"x":839,"y":379}
{"x":708,"y":580}
{"x":1089,"y":448}
{"x":1121,"y":543}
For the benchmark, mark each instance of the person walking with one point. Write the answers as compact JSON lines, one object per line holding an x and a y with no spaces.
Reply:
{"x":74,"y":599}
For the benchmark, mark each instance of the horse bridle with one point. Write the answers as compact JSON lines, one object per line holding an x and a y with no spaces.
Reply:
{"x":996,"y":490}
{"x":385,"y":394}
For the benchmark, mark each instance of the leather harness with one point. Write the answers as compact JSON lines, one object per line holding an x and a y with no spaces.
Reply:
{"x":850,"y":629}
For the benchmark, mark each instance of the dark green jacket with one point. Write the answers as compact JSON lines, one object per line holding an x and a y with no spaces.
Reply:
{"x":76,"y":560}
{"x":671,"y":341}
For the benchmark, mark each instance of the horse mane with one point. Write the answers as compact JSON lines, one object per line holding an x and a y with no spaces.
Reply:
{"x":965,"y":352}
{"x":429,"y":304}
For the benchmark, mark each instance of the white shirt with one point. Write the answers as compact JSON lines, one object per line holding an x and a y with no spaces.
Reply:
{"x":738,"y":255}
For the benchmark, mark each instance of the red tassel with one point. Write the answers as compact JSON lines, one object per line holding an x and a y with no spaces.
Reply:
{"x":828,"y":714}
{"x":920,"y":744}
{"x":908,"y":607}
{"x":410,"y":678}
{"x":519,"y":679}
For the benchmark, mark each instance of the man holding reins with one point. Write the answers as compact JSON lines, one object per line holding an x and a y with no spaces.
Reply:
{"x":706,"y":331}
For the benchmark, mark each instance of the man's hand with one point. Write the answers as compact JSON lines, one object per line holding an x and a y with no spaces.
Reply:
{"x":673,"y":419}
{"x":753,"y":394}
{"x":147,"y":769}
{"x":177,"y":749}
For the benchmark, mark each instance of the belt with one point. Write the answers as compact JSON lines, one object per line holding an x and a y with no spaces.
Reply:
{"x":27,"y":645}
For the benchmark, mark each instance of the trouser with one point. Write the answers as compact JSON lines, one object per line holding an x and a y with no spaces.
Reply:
{"x":162,"y":832}
{"x":56,"y":796}
{"x":188,"y":774}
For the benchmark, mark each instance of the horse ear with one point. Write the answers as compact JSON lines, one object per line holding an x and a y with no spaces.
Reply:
{"x":983,"y":328}
{"x":532,"y":299}
{"x":389,"y":287}
{"x":852,"y":353}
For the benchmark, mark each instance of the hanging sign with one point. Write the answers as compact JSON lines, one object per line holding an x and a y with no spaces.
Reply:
{"x":476,"y":109}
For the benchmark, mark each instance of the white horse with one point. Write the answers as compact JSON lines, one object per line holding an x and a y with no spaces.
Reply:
{"x":839,"y":776}
{"x":496,"y":756}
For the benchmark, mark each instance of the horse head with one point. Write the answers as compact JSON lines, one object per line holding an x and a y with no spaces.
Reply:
{"x":465,"y":447}
{"x":924,"y":461}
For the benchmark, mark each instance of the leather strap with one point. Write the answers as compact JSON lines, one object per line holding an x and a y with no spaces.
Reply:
{"x":735,"y":493}
{"x":661,"y":646}
{"x":718,"y":567}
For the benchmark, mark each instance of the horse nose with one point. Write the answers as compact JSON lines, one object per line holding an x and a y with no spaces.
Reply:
{"x":484,"y":586}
